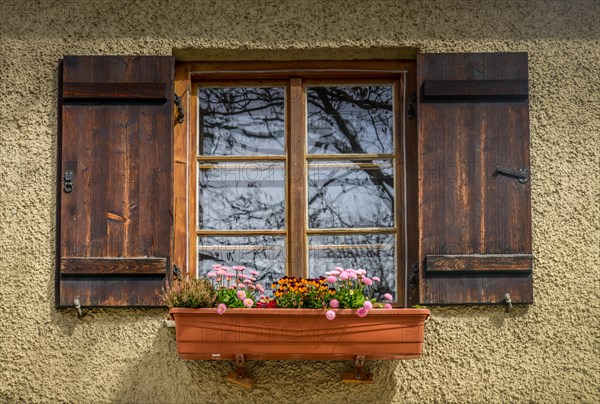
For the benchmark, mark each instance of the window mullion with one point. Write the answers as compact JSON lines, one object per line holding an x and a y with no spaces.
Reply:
{"x":296,"y":183}
{"x":193,"y":184}
{"x":399,"y":186}
{"x":183,"y":252}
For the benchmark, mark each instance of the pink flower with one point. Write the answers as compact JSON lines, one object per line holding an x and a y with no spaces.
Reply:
{"x":376,"y":279}
{"x":351,"y":270}
{"x":330,"y":314}
{"x":343,"y":276}
{"x":233,"y":284}
{"x":331,"y":279}
{"x":387,"y":296}
{"x":221,"y":272}
{"x":248,"y":302}
{"x":221,"y":308}
{"x":247,"y":281}
{"x":216,"y":266}
{"x":352,"y":275}
{"x":361,"y":271}
{"x":387,"y":306}
{"x":339,"y":269}
{"x":241,"y":294}
{"x":367,"y":281}
{"x":260,"y":288}
{"x":254,"y":273}
{"x":230,"y":274}
{"x":334,"y":303}
{"x":212,"y":274}
{"x":368,"y":305}
{"x":362,"y":312}
{"x":239,"y":268}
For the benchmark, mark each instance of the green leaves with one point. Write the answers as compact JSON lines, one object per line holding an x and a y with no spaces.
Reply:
{"x":229,"y":298}
{"x":351,"y":297}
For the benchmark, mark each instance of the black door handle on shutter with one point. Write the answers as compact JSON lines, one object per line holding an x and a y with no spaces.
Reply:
{"x":521,"y":173}
{"x":68,"y":183}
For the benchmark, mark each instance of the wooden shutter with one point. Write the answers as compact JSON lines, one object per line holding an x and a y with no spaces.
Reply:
{"x":116,"y":151}
{"x":474,"y":209}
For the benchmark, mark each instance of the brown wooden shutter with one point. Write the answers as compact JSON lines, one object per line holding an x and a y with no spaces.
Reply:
{"x":115,"y":185}
{"x":474,"y":207}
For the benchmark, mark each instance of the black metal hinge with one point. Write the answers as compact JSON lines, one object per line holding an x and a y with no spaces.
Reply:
{"x":180,"y":113}
{"x":411,"y":110}
{"x":176,"y":272}
{"x":521,"y":174}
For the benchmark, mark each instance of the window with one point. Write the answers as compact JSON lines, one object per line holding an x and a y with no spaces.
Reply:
{"x":441,"y":209}
{"x":299,"y":172}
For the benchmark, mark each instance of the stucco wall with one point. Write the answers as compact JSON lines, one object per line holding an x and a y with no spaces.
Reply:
{"x":548,"y":352}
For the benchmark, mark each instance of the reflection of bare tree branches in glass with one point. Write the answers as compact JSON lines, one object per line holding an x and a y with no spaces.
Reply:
{"x":250,"y":121}
{"x":242,"y":121}
{"x":373,"y":252}
{"x":265,"y":254}
{"x":242,"y":197}
{"x":350,"y":119}
{"x":348,"y":197}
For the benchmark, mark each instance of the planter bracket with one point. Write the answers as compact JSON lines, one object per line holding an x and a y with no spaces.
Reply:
{"x":359,"y":375}
{"x":238,"y":376}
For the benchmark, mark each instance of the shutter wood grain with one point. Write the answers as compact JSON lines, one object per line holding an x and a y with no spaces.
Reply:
{"x":113,"y":266}
{"x":125,"y":91}
{"x":117,"y":139}
{"x":479,"y":263}
{"x":488,"y":90}
{"x":473,"y":116}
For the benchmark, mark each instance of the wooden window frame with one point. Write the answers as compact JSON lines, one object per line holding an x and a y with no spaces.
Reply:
{"x":297,"y":75}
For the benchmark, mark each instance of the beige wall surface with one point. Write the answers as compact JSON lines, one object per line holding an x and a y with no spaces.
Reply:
{"x":548,"y":352}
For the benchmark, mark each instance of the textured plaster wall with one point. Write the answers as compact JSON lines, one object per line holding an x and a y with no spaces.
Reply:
{"x":548,"y":352}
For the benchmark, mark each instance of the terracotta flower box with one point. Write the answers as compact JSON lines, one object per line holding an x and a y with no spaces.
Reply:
{"x":260,"y":334}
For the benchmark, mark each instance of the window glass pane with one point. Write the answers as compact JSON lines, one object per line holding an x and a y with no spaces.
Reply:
{"x":243,"y":121}
{"x":350,"y":119}
{"x":350,"y":195}
{"x":265,"y":254}
{"x":373,"y":252}
{"x":241,"y":196}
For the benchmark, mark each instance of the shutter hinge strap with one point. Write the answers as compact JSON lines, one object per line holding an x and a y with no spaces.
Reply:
{"x":180,"y":112}
{"x":521,"y":174}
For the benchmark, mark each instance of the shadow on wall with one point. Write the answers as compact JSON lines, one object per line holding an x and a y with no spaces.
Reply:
{"x":161,"y":377}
